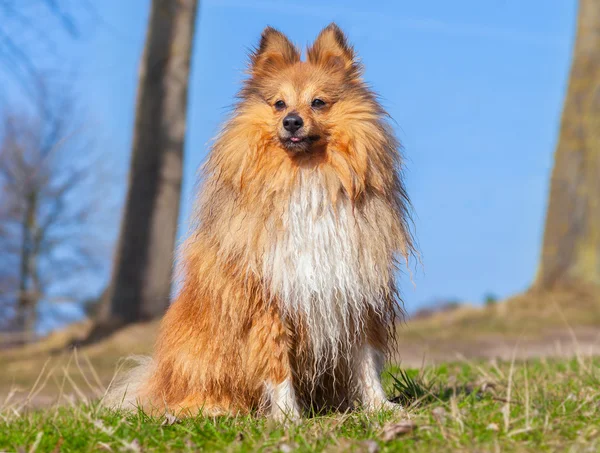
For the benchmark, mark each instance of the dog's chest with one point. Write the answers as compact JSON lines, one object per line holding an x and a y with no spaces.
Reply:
{"x":320,"y":253}
{"x":324,"y":269}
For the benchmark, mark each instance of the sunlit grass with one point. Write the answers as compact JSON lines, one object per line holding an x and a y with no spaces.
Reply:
{"x":538,"y":405}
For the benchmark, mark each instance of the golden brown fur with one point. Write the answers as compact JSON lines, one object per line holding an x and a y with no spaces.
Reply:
{"x":241,"y":325}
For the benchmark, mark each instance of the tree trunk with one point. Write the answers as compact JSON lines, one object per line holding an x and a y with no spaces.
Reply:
{"x":27,"y":301}
{"x":571,"y":247}
{"x":142,"y":272}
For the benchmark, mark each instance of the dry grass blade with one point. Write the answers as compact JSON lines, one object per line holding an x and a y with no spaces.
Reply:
{"x":439,"y":415}
{"x":94,"y":373}
{"x":456,"y":413}
{"x":134,"y":445}
{"x":35,"y":384}
{"x":36,"y":389}
{"x":7,"y":401}
{"x":518,"y":431}
{"x":75,"y":387}
{"x":58,"y":446}
{"x":36,"y":443}
{"x":115,"y":375}
{"x":506,"y":408}
{"x":527,"y":401}
{"x":576,"y":345}
{"x":484,"y":373}
{"x":94,"y":389}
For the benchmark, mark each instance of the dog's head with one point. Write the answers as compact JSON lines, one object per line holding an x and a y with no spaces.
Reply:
{"x":304,"y":106}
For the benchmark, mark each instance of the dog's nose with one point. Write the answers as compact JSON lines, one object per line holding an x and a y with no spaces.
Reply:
{"x":292,"y":122}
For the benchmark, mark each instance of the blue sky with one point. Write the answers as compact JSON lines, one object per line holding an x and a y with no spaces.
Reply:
{"x":475,"y":88}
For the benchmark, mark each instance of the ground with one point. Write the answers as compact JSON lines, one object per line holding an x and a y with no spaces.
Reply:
{"x":514,"y":376}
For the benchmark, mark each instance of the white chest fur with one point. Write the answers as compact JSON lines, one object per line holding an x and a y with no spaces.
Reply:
{"x":323,"y":267}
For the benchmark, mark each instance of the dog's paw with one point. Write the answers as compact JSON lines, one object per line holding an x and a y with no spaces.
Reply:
{"x":286,"y":415}
{"x":383,"y":405}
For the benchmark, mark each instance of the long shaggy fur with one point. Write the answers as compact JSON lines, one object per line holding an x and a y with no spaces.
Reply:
{"x":288,"y":275}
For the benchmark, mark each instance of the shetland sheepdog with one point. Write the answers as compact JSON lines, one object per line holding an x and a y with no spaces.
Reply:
{"x":288,"y":300}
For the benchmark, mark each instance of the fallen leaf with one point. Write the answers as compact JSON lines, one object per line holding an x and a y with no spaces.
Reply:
{"x":492,"y":427}
{"x":364,"y":446}
{"x":134,"y":445}
{"x":487,"y":386}
{"x":392,"y":431}
{"x":370,"y":446}
{"x":58,"y":445}
{"x":190,"y":444}
{"x":286,"y":448}
{"x":169,"y":419}
{"x":439,"y":413}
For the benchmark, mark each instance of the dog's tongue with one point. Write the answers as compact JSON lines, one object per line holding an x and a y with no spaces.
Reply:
{"x":295,"y":139}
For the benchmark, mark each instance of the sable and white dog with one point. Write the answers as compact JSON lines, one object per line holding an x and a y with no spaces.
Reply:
{"x":288,"y":300}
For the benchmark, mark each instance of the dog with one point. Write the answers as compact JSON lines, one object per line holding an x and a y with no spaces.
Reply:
{"x":288,"y":300}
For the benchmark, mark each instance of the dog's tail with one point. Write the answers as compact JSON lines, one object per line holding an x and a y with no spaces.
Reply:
{"x":126,"y":391}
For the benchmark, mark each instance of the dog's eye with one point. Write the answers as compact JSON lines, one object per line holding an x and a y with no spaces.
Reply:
{"x":318,"y":103}
{"x":279,"y":105}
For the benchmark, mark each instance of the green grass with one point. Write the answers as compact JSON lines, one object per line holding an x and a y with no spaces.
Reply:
{"x":532,"y":406}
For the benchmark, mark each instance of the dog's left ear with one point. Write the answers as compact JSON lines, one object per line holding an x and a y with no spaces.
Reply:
{"x":331,"y":50}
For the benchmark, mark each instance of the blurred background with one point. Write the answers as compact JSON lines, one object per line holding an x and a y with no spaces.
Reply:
{"x":496,"y":103}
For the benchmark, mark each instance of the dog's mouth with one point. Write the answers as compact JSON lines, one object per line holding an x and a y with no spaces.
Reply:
{"x":299,"y":143}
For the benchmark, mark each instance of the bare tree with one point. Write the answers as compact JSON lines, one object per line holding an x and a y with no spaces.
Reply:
{"x":142,"y":270}
{"x":28,"y":31}
{"x":571,"y":247}
{"x":51,"y":240}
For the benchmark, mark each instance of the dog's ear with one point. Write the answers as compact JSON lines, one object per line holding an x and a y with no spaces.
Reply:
{"x":331,"y":50}
{"x":275,"y":51}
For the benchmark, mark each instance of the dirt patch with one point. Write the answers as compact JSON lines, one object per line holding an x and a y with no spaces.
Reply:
{"x":585,"y":341}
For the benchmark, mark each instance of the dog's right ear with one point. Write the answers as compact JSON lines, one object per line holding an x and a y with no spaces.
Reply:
{"x":275,"y":51}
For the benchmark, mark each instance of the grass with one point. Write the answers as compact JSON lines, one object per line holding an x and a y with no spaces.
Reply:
{"x":536,"y":405}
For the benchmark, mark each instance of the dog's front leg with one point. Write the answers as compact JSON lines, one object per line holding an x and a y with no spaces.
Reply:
{"x":284,"y":406}
{"x":368,"y":366}
{"x":280,"y":385}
